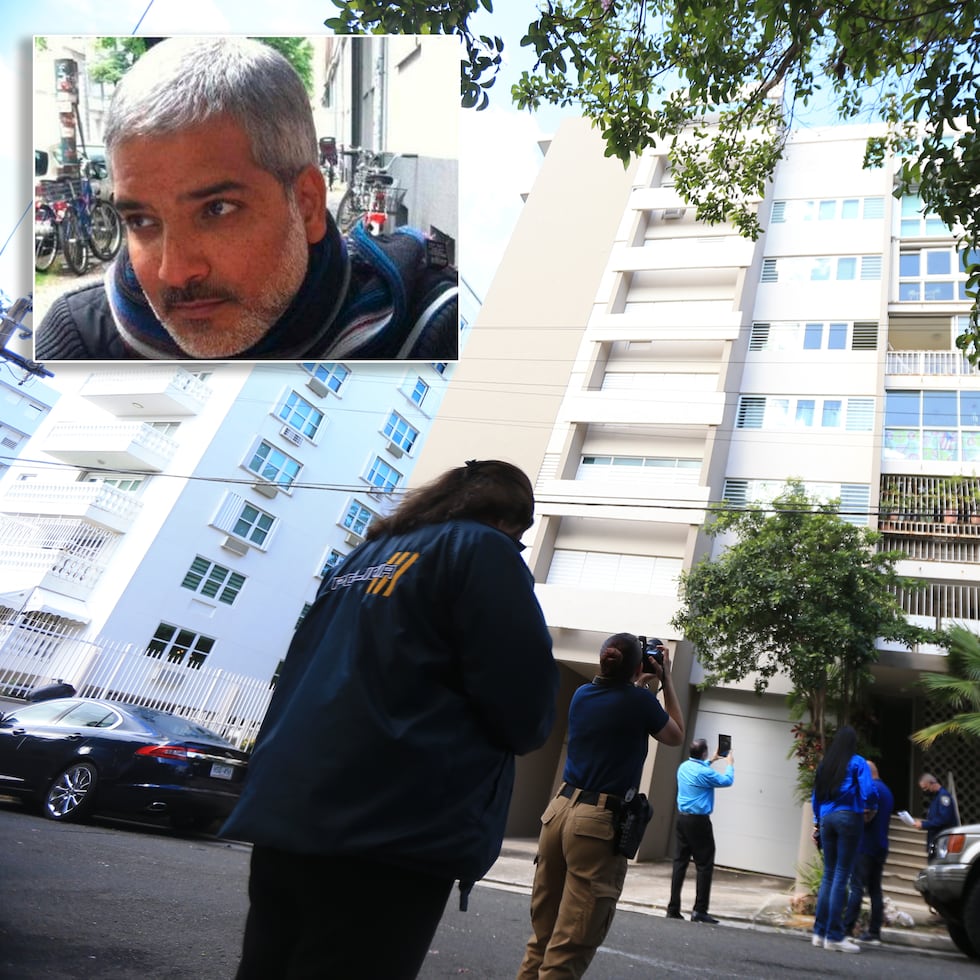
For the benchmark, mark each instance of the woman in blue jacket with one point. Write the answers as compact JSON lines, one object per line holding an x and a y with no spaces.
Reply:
{"x":385,"y":764}
{"x":843,"y":792}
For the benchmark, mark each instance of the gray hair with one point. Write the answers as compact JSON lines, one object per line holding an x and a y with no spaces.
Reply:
{"x":184,"y":81}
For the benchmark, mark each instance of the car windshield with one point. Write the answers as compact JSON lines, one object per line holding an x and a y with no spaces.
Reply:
{"x":172,"y":726}
{"x":41,"y":713}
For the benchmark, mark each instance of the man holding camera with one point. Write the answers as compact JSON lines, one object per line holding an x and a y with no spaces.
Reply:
{"x":696,"y":784}
{"x":580,"y":866}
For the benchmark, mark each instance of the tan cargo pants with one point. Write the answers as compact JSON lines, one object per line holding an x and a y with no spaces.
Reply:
{"x":578,"y":879}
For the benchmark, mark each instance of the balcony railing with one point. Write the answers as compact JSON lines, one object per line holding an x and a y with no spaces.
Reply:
{"x":934,"y":362}
{"x":56,"y":569}
{"x":96,"y":501}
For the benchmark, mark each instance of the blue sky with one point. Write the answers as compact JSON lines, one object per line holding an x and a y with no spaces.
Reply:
{"x":499,"y":154}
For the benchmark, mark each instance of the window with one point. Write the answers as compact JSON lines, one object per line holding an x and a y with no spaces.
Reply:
{"x":836,"y":335}
{"x":829,"y":209}
{"x":440,"y":366}
{"x":778,"y":412}
{"x":933,"y":425}
{"x":300,"y":415}
{"x":274,"y":465}
{"x":331,"y":375}
{"x":418,"y":392}
{"x":821,"y":268}
{"x":307,"y":606}
{"x":400,"y":433}
{"x":932,"y":275}
{"x":357,"y":518}
{"x":333,"y":559}
{"x":167,"y":428}
{"x":916,"y":222}
{"x":854,"y":497}
{"x":213,"y":580}
{"x":253,"y":524}
{"x":130,"y":485}
{"x":383,"y":476}
{"x":651,"y":575}
{"x":179,"y":646}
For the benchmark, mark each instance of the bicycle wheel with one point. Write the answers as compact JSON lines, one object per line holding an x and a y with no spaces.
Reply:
{"x":105,"y":233}
{"x":73,"y":242}
{"x":349,"y":211}
{"x":45,"y":238}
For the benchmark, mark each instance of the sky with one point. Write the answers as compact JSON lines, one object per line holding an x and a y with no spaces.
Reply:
{"x":499,"y":155}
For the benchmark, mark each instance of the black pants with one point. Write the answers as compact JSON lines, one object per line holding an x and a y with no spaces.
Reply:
{"x":695,"y":839}
{"x":336,"y":918}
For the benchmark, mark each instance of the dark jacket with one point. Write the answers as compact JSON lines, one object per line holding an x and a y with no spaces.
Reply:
{"x":384,"y":298}
{"x":422,"y":668}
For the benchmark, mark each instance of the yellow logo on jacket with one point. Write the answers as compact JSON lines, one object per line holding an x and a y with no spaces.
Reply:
{"x":381,"y":579}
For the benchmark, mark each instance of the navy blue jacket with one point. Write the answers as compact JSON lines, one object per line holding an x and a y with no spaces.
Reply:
{"x":942,"y":814}
{"x":422,"y":668}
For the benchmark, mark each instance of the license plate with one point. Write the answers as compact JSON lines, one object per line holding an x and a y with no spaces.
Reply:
{"x":219,"y":771}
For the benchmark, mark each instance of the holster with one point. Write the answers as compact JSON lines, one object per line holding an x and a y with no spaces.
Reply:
{"x":631,"y":822}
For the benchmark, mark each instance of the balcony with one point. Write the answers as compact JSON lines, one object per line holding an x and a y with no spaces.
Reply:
{"x":147,"y":393}
{"x":23,"y":566}
{"x":96,"y":502}
{"x":120,"y":446}
{"x":920,"y":363}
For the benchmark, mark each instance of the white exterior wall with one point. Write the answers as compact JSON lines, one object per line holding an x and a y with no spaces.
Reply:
{"x":140,"y":586}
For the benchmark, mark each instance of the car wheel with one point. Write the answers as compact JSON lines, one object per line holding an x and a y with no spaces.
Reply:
{"x":960,"y":940}
{"x":971,"y":922}
{"x":71,"y":795}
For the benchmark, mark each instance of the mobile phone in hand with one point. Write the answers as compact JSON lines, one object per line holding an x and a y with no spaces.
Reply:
{"x":724,"y":744}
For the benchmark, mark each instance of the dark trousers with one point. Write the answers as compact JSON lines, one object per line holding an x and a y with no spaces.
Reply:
{"x":695,"y":839}
{"x":866,"y":877}
{"x":334,"y":918}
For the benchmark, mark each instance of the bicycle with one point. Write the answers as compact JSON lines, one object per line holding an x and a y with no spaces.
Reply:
{"x":83,"y":223}
{"x":373,"y":193}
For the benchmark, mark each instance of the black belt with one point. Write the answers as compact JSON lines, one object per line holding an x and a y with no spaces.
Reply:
{"x":590,"y":796}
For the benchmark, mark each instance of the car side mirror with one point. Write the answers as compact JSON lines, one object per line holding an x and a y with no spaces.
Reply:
{"x":40,"y":163}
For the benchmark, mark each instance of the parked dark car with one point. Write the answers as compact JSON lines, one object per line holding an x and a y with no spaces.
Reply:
{"x":950,"y":884}
{"x":75,"y":756}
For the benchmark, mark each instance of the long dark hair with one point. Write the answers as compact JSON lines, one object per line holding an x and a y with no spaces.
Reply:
{"x":488,"y":490}
{"x":831,"y":772}
{"x":619,"y":657}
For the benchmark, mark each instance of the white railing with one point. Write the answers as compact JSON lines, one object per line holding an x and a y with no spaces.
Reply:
{"x":148,"y":380}
{"x":946,"y":362}
{"x":143,"y":435}
{"x":73,"y":497}
{"x":79,"y":571}
{"x":233,"y":705}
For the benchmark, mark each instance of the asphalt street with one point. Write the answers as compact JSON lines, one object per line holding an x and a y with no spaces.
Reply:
{"x":120,"y":901}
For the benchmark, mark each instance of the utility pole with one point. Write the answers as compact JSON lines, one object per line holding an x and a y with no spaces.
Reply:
{"x":11,"y":322}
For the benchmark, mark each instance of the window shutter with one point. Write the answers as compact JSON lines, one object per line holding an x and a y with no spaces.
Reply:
{"x":860,"y":414}
{"x":874,"y":207}
{"x":228,"y":512}
{"x":769,"y":271}
{"x":870,"y":267}
{"x":779,"y":211}
{"x":736,"y":492}
{"x":855,"y":498}
{"x":759,"y":338}
{"x":751,"y":409}
{"x":864,"y":336}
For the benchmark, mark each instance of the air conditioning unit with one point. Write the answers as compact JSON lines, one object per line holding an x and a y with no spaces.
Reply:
{"x":265,"y":488}
{"x":395,"y":451}
{"x":353,"y":539}
{"x":235,"y":545}
{"x":317,"y":387}
{"x":672,"y":214}
{"x":291,"y":435}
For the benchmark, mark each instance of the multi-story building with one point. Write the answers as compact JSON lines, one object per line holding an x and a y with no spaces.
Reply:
{"x":193,"y":513}
{"x":653,"y":365}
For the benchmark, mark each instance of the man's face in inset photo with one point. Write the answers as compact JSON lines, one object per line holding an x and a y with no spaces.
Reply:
{"x":219,"y":245}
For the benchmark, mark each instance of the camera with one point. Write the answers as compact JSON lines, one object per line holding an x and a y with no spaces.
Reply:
{"x":653,"y":650}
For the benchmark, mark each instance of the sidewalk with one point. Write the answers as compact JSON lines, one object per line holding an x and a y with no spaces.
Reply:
{"x":739,"y":898}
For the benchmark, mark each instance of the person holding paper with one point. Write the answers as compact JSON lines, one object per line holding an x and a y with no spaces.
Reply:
{"x":942,"y":810}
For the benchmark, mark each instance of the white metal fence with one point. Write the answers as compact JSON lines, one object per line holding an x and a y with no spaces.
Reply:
{"x":32,"y":655}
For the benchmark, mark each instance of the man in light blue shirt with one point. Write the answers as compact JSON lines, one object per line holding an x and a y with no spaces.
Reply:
{"x":696,"y":783}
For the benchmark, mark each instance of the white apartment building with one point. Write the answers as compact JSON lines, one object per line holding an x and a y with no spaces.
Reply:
{"x":193,"y":513}
{"x":644,"y":365}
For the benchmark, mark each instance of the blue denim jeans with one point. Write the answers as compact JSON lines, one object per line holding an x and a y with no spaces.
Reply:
{"x":840,"y":834}
{"x":866,"y":879}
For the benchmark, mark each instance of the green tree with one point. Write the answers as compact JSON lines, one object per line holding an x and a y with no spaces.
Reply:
{"x":957,"y":691}
{"x":119,"y":54}
{"x":718,"y":84}
{"x":798,"y":591}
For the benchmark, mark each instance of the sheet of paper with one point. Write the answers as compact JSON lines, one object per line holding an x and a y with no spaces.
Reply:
{"x":906,"y":818}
